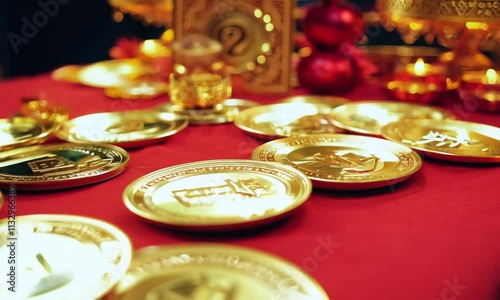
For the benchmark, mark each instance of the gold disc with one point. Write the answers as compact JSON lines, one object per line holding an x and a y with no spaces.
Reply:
{"x":22,"y":131}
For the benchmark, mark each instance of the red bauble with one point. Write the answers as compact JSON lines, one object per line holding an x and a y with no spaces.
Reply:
{"x":337,"y":21}
{"x":327,"y":73}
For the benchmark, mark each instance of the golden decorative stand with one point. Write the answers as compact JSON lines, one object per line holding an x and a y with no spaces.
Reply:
{"x":466,"y":26}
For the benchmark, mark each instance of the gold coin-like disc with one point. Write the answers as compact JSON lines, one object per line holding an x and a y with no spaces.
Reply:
{"x":223,"y":113}
{"x":112,"y":73}
{"x":218,"y":194}
{"x":286,"y":119}
{"x":213,"y":271}
{"x":368,"y":117}
{"x":61,"y":257}
{"x":58,"y":166}
{"x":125,"y":129}
{"x":22,"y":131}
{"x":317,"y":99}
{"x":344,"y":162}
{"x":451,"y":140}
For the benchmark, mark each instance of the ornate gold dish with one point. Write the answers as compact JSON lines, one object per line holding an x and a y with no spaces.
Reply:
{"x":23,"y":131}
{"x":213,"y":271}
{"x":451,"y":140}
{"x":343,"y":162}
{"x":217,"y":195}
{"x":62,"y":257}
{"x":223,"y":113}
{"x":113,"y":73}
{"x":127,"y":129}
{"x":368,"y":117}
{"x":462,"y":25}
{"x":50,"y":167}
{"x":286,"y":119}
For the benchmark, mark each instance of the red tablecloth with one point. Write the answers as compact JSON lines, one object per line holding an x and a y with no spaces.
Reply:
{"x":436,"y":236}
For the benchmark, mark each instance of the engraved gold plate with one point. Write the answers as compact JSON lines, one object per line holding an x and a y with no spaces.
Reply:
{"x":112,"y":73}
{"x":62,"y":257}
{"x":286,"y":119}
{"x":343,"y":162}
{"x":134,"y":128}
{"x":218,"y":194}
{"x":257,"y":37}
{"x":450,"y":140}
{"x":58,"y":166}
{"x":317,"y":99}
{"x":224,"y":113}
{"x":368,"y":117}
{"x":213,"y":271}
{"x":22,"y":131}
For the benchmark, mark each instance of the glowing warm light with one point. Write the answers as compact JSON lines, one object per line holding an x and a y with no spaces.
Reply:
{"x":491,"y":76}
{"x":269,"y":27}
{"x":267,"y":18}
{"x":266,"y":47}
{"x":419,"y":68}
{"x":261,"y":59}
{"x":257,"y":13}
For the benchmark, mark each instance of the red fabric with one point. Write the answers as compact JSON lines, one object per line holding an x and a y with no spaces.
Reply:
{"x":436,"y":236}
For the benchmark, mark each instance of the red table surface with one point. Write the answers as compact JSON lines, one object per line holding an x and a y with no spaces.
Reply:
{"x":435,"y":236}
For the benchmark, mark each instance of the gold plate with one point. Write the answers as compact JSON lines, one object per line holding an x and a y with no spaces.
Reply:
{"x":48,"y":167}
{"x":44,"y":111}
{"x":126,"y":129}
{"x":344,"y":162}
{"x":224,"y":113}
{"x":317,"y":99}
{"x":286,"y":119}
{"x":368,"y":117}
{"x":213,"y":271}
{"x":62,"y":257}
{"x":22,"y":131}
{"x":451,"y":140}
{"x":112,"y":73}
{"x":217,"y":194}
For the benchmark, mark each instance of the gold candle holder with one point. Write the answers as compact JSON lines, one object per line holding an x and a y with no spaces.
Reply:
{"x":481,"y":89}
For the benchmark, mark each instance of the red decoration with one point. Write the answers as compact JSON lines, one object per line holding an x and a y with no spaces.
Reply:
{"x":327,"y":73}
{"x":125,"y":48}
{"x":333,"y":23}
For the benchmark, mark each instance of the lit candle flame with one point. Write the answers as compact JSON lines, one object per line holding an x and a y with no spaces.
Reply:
{"x":491,"y":76}
{"x":419,"y":68}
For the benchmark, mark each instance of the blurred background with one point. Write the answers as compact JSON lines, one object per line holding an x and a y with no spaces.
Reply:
{"x":81,"y":32}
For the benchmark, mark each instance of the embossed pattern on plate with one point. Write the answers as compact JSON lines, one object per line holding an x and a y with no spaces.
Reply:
{"x":213,"y":271}
{"x":217,"y":194}
{"x":451,"y":140}
{"x":344,"y":162}
{"x":125,"y":129}
{"x":63,"y":257}
{"x":286,"y":119}
{"x":22,"y":131}
{"x":58,"y":166}
{"x":368,"y":117}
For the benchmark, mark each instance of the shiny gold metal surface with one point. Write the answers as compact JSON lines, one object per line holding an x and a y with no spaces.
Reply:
{"x":223,"y":113}
{"x":113,"y":73}
{"x":45,"y":112}
{"x":213,"y":271}
{"x":22,"y":131}
{"x":217,"y":194}
{"x":69,"y":73}
{"x":58,"y":166}
{"x":344,"y":162}
{"x":368,"y":117}
{"x":134,"y":128}
{"x":451,"y":140}
{"x":138,"y":91}
{"x":63,"y":257}
{"x":155,"y":12}
{"x":287,"y":119}
{"x":316,"y":99}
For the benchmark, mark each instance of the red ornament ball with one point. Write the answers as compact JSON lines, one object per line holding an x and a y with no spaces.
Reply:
{"x":327,"y":73}
{"x":333,"y":23}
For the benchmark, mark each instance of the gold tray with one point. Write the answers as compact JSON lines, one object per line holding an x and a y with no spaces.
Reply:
{"x":224,"y":113}
{"x":343,"y":162}
{"x":317,"y":99}
{"x":451,"y":140}
{"x":22,"y":131}
{"x":217,"y":194}
{"x":62,"y":257}
{"x":213,"y":271}
{"x":126,"y":129}
{"x":286,"y":119}
{"x":368,"y":117}
{"x":48,"y":167}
